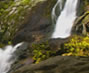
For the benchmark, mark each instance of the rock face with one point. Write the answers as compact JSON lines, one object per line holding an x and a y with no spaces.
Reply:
{"x":37,"y":24}
{"x":58,"y":64}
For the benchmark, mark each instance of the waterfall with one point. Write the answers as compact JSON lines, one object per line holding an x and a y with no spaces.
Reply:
{"x":5,"y":57}
{"x":54,"y":16}
{"x":66,"y":18}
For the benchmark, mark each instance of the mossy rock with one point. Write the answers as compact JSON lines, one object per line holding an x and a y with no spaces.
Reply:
{"x":12,"y":14}
{"x":37,"y":25}
{"x":81,"y":25}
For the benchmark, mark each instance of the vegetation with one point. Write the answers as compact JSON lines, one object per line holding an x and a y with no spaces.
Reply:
{"x":12,"y":13}
{"x":77,"y":46}
{"x":41,"y":51}
{"x":86,"y":2}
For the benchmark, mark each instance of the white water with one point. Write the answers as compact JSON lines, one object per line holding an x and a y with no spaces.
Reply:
{"x":66,"y":19}
{"x":5,"y":57}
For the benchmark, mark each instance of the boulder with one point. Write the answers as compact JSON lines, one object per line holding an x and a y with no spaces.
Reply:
{"x":58,"y":64}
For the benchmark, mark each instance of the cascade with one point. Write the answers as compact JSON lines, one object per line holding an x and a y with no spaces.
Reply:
{"x":64,"y":23}
{"x":5,"y":57}
{"x":59,"y":4}
{"x":65,"y":20}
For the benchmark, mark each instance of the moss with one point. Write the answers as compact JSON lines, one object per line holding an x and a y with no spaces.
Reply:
{"x":85,"y":20}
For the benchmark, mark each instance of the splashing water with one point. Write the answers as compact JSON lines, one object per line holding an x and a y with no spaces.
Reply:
{"x":66,"y":19}
{"x":5,"y":56}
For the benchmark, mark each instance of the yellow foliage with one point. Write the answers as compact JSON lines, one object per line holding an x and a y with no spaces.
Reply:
{"x":41,"y":51}
{"x":77,"y":46}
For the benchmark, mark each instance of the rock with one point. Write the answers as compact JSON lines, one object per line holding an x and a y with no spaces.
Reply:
{"x":58,"y":64}
{"x":12,"y":14}
{"x":81,"y":25}
{"x":27,"y":50}
{"x":37,"y":28}
{"x":37,"y":24}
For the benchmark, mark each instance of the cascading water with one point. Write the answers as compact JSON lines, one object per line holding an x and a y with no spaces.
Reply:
{"x":59,"y":3}
{"x":65,"y":20}
{"x":5,"y":57}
